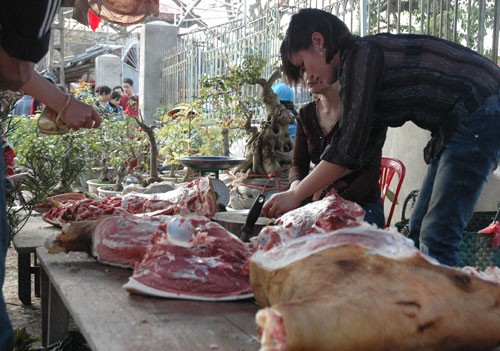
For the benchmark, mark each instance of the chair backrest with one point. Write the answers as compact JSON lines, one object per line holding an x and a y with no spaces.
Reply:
{"x":389,"y":167}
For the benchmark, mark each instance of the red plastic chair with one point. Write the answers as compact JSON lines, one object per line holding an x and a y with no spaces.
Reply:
{"x":389,"y":167}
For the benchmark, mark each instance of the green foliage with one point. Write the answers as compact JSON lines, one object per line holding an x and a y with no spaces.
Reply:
{"x":52,"y":163}
{"x":186,"y":135}
{"x":217,"y":116}
{"x":230,"y":99}
{"x":112,"y":145}
{"x":23,"y":341}
{"x":435,"y":18}
{"x":55,"y":161}
{"x":224,"y":96}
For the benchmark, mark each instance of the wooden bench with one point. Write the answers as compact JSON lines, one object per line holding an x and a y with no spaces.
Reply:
{"x":111,"y":319}
{"x":32,"y":235}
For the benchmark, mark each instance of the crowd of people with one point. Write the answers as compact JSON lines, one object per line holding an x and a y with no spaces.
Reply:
{"x":114,"y":104}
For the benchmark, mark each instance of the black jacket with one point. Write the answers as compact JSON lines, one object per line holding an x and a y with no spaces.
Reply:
{"x":25,"y":27}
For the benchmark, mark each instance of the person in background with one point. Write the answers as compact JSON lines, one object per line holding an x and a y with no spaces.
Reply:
{"x":22,"y":106}
{"x":388,"y":79}
{"x":128,"y":88}
{"x":317,"y":124}
{"x":287,"y":96}
{"x":24,"y":40}
{"x":118,"y":89}
{"x":132,"y":106}
{"x":104,"y":94}
{"x":113,"y":106}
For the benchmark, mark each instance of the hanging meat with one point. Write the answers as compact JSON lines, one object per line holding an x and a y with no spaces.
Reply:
{"x":363,"y":288}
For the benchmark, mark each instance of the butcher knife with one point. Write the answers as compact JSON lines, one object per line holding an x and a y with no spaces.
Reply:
{"x":253,"y":216}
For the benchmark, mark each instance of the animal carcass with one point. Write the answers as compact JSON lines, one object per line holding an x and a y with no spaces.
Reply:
{"x":363,"y":288}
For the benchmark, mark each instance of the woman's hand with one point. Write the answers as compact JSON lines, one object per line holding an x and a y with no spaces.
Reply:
{"x":280,"y":203}
{"x":318,"y":195}
{"x":79,"y":115}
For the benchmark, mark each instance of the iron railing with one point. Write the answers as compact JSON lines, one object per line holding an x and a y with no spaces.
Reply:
{"x":473,"y":23}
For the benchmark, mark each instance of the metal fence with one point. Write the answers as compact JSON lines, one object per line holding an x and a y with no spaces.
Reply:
{"x":472,"y":23}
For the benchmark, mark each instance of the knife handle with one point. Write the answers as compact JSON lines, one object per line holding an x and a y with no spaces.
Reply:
{"x":253,"y":216}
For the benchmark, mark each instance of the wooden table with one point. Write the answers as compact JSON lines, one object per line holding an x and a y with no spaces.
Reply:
{"x":111,"y":319}
{"x":34,"y":234}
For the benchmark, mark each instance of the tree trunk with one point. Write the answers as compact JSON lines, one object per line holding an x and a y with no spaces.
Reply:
{"x":153,"y":161}
{"x":225,"y":141}
{"x":269,"y":151}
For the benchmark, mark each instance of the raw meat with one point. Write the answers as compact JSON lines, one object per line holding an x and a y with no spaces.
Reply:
{"x":330,"y":213}
{"x":114,"y":240}
{"x":195,"y":258}
{"x":367,"y":289}
{"x":83,"y":210}
{"x":58,"y":200}
{"x":197,"y":197}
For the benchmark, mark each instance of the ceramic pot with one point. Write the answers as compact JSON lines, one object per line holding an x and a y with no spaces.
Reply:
{"x":105,"y":191}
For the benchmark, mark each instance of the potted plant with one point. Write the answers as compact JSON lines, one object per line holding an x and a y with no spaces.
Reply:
{"x":51,"y":166}
{"x":185,"y":132}
{"x":114,"y":149}
{"x":268,"y":148}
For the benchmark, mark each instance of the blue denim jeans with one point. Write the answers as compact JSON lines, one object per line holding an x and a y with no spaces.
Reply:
{"x":5,"y":326}
{"x":454,"y":183}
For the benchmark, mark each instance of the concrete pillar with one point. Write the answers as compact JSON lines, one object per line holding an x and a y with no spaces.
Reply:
{"x":156,"y":38}
{"x":108,"y":70}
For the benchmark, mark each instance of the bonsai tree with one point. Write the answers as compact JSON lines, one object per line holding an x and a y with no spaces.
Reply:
{"x":151,"y":165}
{"x":268,"y":150}
{"x":118,"y":148}
{"x":185,"y":132}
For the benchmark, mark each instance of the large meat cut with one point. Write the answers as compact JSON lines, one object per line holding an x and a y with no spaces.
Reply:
{"x":362,"y":288}
{"x":113,"y":240}
{"x":173,"y":256}
{"x":198,"y":197}
{"x":193,"y":257}
{"x":83,"y":210}
{"x":330,"y":213}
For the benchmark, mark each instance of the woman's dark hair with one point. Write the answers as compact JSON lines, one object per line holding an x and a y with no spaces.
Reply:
{"x":299,"y":37}
{"x":116,"y":95}
{"x":129,"y":81}
{"x":104,"y":89}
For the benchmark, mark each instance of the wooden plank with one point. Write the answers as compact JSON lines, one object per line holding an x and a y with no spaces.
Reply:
{"x":112,"y":319}
{"x":55,"y":316}
{"x":33,"y":234}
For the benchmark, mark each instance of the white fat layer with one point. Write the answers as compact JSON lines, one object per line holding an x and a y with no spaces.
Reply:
{"x":388,"y":243}
{"x":133,"y":286}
